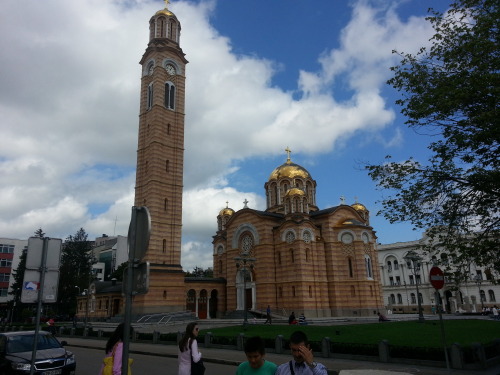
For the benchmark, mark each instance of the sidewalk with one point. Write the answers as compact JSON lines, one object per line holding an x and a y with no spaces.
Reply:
{"x":234,"y":357}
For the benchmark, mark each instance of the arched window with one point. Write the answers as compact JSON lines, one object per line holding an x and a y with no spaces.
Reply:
{"x":169,"y":95}
{"x":310,"y":292}
{"x":413,"y":298}
{"x":165,"y":204}
{"x":400,"y":299}
{"x":150,"y":96}
{"x":491,"y":294}
{"x":164,"y":247}
{"x":293,"y":291}
{"x":350,"y":267}
{"x":389,"y":266}
{"x":368,"y":265}
{"x":483,"y":296}
{"x":292,"y":256}
{"x":396,"y":265}
{"x":392,"y":299}
{"x":167,"y":165}
{"x":168,"y":129}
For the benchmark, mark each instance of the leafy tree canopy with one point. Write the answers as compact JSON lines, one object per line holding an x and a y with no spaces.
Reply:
{"x":451,"y":91}
{"x":200,"y":272}
{"x":118,"y":273}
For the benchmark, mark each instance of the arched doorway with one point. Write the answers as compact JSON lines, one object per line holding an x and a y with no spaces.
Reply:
{"x":202,"y":304}
{"x":245,"y":290}
{"x":191,"y":300}
{"x":448,"y":295}
{"x":214,"y":299}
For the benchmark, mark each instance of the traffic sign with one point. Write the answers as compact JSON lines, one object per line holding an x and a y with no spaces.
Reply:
{"x":436,"y":276}
{"x":138,"y":233}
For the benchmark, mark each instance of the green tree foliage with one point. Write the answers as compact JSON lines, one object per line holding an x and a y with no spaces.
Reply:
{"x":118,"y":273}
{"x":451,"y":91}
{"x":200,"y":272}
{"x":75,"y":271}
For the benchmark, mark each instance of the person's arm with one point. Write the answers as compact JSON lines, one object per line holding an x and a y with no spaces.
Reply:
{"x":117,"y":359}
{"x":194,"y":351}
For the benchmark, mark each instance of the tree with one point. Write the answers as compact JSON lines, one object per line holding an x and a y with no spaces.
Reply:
{"x":200,"y":272}
{"x":76,"y":270}
{"x":451,"y":92}
{"x":118,"y":273}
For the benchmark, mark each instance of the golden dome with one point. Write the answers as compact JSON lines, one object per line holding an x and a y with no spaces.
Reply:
{"x":359,"y":207}
{"x":165,"y":11}
{"x":289,"y":170}
{"x":226,"y":211}
{"x":295,"y":191}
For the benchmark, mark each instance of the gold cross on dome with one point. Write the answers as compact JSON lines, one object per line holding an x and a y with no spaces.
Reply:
{"x":166,"y":3}
{"x":288,"y":152}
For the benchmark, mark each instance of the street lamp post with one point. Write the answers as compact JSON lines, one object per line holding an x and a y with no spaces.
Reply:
{"x":244,"y":262}
{"x":478,"y":279}
{"x":413,"y":262}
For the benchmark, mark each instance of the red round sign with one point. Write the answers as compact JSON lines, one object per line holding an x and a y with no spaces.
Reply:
{"x":436,"y":277}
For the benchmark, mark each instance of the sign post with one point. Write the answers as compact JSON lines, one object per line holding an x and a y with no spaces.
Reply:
{"x":138,"y":241}
{"x":436,"y":276}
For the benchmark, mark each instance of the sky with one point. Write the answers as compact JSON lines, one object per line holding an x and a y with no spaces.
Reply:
{"x":263,"y":75}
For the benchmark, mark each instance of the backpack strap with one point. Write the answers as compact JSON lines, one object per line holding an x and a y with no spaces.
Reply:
{"x":291,"y":368}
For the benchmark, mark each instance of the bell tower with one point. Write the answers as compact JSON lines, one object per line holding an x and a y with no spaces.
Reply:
{"x":160,"y":161}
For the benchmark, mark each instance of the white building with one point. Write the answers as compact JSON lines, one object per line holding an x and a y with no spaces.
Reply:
{"x":399,"y":281}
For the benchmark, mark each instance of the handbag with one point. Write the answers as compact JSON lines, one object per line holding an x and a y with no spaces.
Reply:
{"x":197,"y":368}
{"x":108,"y":364}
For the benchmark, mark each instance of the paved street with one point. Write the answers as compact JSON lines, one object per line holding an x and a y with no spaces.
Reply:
{"x":164,"y":356}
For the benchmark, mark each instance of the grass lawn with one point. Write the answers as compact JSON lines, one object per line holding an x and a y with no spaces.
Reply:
{"x":415,"y":334}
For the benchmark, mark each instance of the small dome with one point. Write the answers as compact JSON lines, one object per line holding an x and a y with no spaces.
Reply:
{"x":295,"y":191}
{"x":165,"y":11}
{"x":226,"y":211}
{"x":359,"y":207}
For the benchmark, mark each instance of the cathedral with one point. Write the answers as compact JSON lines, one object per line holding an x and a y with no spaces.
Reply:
{"x":293,"y":256}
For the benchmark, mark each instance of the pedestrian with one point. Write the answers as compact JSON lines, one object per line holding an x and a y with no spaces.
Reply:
{"x":256,"y":364}
{"x":51,"y":326}
{"x":188,"y":349}
{"x":292,"y":319}
{"x":302,"y":320}
{"x":303,"y":359}
{"x":268,"y":315}
{"x":382,"y":318}
{"x":495,"y":312}
{"x":75,"y":320}
{"x":114,"y":351}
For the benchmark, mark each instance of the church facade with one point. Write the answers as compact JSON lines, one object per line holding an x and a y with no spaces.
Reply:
{"x":296,"y":257}
{"x":293,"y":256}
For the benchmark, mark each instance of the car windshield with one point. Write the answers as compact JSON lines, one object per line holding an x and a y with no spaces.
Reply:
{"x":24,"y":343}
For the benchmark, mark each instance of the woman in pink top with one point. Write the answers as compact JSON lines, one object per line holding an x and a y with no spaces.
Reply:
{"x":114,"y":347}
{"x":188,"y":346}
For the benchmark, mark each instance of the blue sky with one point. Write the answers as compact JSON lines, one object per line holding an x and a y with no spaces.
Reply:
{"x":262,"y":75}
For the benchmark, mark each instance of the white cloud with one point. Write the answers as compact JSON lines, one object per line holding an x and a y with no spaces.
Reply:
{"x":69,"y":98}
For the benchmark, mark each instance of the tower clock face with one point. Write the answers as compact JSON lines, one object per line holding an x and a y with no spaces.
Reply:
{"x":170,"y":69}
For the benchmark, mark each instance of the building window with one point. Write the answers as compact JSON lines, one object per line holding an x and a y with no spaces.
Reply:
{"x":391,"y":281}
{"x":167,"y":165}
{"x":293,"y":291}
{"x":292,"y":256}
{"x":5,"y":263}
{"x":353,"y":291}
{"x":389,"y":266}
{"x":6,"y":249}
{"x":396,"y":265}
{"x":349,"y":260}
{"x":307,"y":255}
{"x":310,"y":292}
{"x":413,"y":298}
{"x":246,"y":243}
{"x":398,"y":280}
{"x":400,"y":299}
{"x":168,"y":129}
{"x":482,"y":295}
{"x":491,"y":294}
{"x":169,"y":95}
{"x":279,"y":257}
{"x":164,"y":247}
{"x":412,"y":280}
{"x":368,"y":265}
{"x":290,"y":237}
{"x":392,"y":299}
{"x":280,"y":292}
{"x":150,"y":96}
{"x":4,"y":277}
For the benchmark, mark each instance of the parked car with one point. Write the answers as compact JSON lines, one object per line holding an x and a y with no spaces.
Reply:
{"x":52,"y":358}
